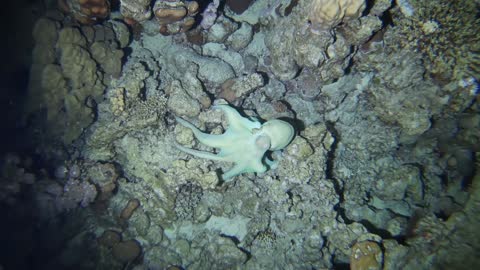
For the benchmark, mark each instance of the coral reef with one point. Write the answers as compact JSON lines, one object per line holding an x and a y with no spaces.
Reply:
{"x":180,"y":102}
{"x":294,"y":43}
{"x":135,"y":10}
{"x":326,"y":14}
{"x":109,"y":238}
{"x":86,"y":11}
{"x":126,"y":251}
{"x":443,"y":32}
{"x":75,"y":189}
{"x":69,"y":72}
{"x":188,"y":197}
{"x":236,"y":90}
{"x":175,"y":16}
{"x":238,"y":6}
{"x":131,"y":206}
{"x":366,"y":255}
{"x":12,"y":177}
{"x":393,"y":104}
{"x":371,"y":116}
{"x":209,"y":15}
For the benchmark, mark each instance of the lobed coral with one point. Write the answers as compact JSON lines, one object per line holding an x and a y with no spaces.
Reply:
{"x":128,"y":210}
{"x":126,"y":251}
{"x":307,"y":38}
{"x":70,"y":69}
{"x":175,"y":16}
{"x":326,"y":14}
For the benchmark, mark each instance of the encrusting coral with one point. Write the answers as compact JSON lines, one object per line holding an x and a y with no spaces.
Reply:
{"x":445,"y":32}
{"x":245,"y":142}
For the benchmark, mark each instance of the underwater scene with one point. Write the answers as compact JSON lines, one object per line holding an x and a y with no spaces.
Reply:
{"x":240,"y":134}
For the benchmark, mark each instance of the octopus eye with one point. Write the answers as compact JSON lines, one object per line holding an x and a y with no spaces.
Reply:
{"x":262,"y":142}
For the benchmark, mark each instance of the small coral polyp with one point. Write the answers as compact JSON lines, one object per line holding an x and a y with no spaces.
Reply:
{"x":244,"y":143}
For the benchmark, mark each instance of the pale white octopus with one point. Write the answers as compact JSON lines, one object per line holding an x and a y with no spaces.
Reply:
{"x":244,"y":143}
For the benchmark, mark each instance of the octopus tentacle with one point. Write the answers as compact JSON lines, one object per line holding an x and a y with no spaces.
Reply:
{"x":244,"y":142}
{"x":236,"y":122}
{"x":235,"y":170}
{"x":198,"y":153}
{"x":216,"y":141}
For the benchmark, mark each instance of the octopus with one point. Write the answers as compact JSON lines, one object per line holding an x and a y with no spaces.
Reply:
{"x":245,"y":142}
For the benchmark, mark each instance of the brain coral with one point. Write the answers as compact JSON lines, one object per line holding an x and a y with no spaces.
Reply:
{"x":326,"y":14}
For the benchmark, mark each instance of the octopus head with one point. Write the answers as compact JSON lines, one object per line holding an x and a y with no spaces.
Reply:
{"x":279,"y":133}
{"x":262,"y":142}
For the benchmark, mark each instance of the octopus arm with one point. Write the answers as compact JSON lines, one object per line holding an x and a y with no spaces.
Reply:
{"x":244,"y":167}
{"x":272,"y":164}
{"x":201,"y":154}
{"x":235,"y":170}
{"x":216,"y":141}
{"x":237,"y":123}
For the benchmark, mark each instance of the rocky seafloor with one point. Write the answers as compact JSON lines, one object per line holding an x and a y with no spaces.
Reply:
{"x":382,"y":171}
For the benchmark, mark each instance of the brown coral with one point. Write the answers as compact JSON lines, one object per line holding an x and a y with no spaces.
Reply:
{"x":126,"y":251}
{"x":127,"y":212}
{"x":86,"y":11}
{"x":175,"y":16}
{"x":366,"y":255}
{"x":109,"y":238}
